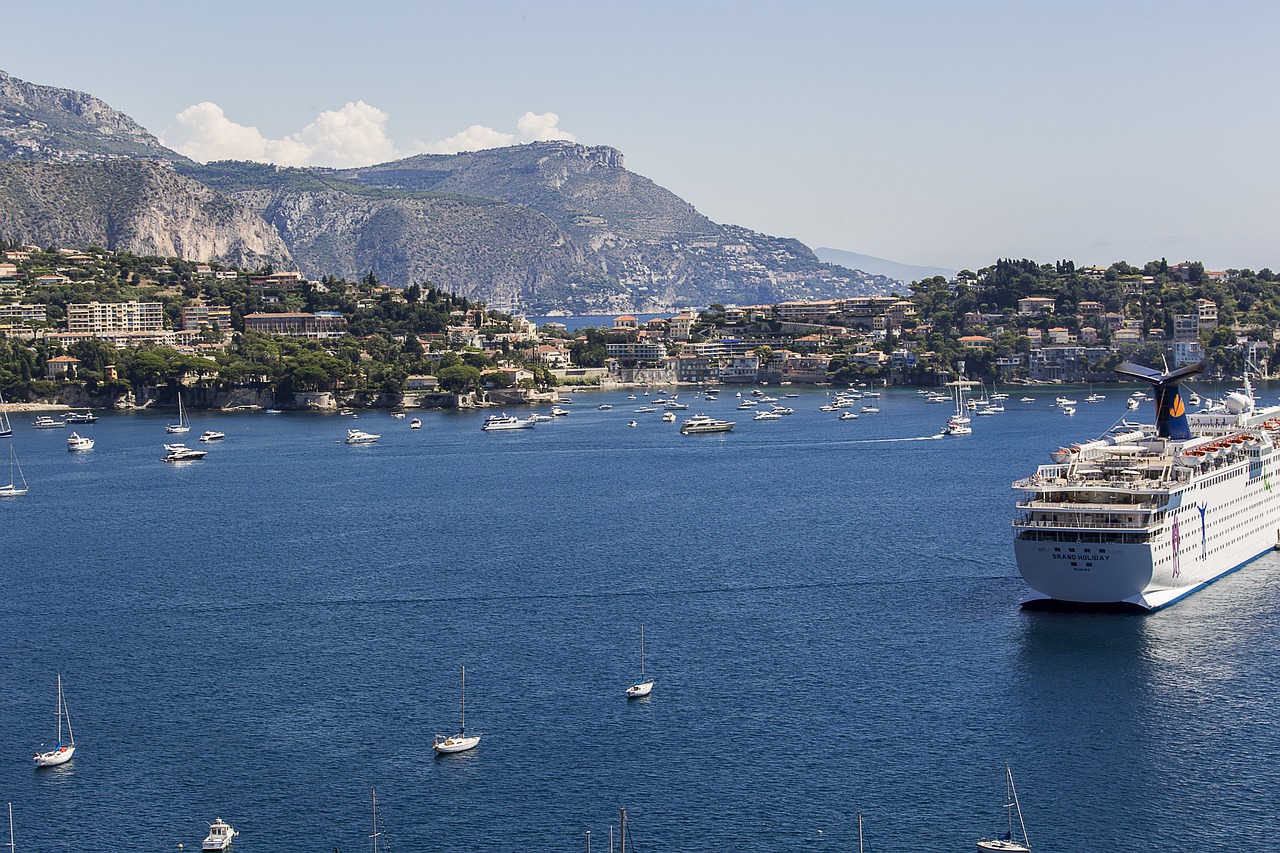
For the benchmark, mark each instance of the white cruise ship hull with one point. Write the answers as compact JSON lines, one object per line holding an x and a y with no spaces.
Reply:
{"x":1143,"y":521}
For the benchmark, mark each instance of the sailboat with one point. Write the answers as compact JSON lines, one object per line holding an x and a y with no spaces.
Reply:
{"x":377,"y":825}
{"x":642,"y":686}
{"x":13,"y":489}
{"x":12,"y":849}
{"x":61,"y":752}
{"x":958,"y":424}
{"x":462,"y":741}
{"x":1009,"y":844}
{"x":183,"y":425}
{"x":6,"y":428}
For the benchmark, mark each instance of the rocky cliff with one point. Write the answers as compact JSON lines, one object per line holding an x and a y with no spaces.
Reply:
{"x":139,"y":206}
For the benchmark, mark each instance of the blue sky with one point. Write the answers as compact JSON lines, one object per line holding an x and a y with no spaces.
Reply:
{"x":925,"y":132}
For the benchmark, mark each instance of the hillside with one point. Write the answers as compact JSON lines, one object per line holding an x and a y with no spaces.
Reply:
{"x":541,"y":227}
{"x":138,"y":206}
{"x":61,"y":125}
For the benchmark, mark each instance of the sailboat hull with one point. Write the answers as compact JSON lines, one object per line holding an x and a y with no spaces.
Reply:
{"x":643,"y":688}
{"x":999,"y":844}
{"x":54,"y":757}
{"x":457,"y":743}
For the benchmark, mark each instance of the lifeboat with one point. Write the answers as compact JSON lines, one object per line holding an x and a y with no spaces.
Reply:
{"x":1191,"y":459}
{"x":1060,"y":455}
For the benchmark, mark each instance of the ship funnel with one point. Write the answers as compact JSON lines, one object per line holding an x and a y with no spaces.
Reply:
{"x":1171,"y":412}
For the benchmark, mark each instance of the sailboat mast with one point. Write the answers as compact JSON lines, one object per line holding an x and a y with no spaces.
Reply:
{"x":464,"y":700}
{"x":642,"y":653}
{"x":622,"y":831}
{"x":58,"y":713}
{"x":12,"y":849}
{"x":375,"y":820}
{"x":859,"y":832}
{"x":1014,"y":791}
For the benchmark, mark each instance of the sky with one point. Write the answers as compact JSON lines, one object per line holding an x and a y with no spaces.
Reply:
{"x":924,"y":132}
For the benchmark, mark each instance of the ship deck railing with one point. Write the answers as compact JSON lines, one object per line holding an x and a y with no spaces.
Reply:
{"x":1080,"y":506}
{"x":1027,"y":523}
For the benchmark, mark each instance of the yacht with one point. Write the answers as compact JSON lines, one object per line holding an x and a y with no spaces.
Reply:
{"x":416,"y":423}
{"x":767,"y":416}
{"x":212,"y":435}
{"x":400,"y":415}
{"x":604,"y":407}
{"x":495,"y":423}
{"x":539,"y":418}
{"x":557,"y":412}
{"x":182,"y":453}
{"x":667,"y":417}
{"x":75,"y":441}
{"x":700,"y":424}
{"x":85,"y":417}
{"x":359,"y":436}
{"x":847,"y":416}
{"x":219,"y":837}
{"x":46,"y":422}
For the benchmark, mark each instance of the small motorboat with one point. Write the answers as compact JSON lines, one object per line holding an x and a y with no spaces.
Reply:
{"x":219,"y":837}
{"x":75,"y":441}
{"x":416,"y":423}
{"x":212,"y":435}
{"x":359,"y":436}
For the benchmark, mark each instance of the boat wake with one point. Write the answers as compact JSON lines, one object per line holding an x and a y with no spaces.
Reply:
{"x":893,"y":440}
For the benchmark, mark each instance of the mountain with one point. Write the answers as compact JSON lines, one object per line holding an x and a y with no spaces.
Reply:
{"x":549,"y":226}
{"x":904,"y":273}
{"x":60,"y":125}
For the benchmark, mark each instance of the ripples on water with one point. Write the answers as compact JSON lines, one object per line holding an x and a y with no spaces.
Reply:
{"x":830,"y":614}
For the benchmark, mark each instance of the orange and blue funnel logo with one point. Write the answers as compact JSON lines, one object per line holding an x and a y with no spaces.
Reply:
{"x":1171,"y":414}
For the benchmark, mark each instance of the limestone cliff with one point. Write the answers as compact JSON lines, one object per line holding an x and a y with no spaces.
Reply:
{"x":137,"y":206}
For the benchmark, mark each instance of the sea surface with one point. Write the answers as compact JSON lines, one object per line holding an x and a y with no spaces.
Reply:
{"x":830,"y":610}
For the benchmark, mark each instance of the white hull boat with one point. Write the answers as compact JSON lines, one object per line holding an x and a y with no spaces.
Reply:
{"x":1011,"y":842}
{"x":461,"y":742}
{"x":1148,"y":514}
{"x":642,"y":686}
{"x":61,"y":752}
{"x":219,"y":837}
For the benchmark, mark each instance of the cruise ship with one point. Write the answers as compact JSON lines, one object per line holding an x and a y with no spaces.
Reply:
{"x":1150,"y":513}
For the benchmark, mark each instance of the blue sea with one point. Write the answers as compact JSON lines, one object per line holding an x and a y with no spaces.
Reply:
{"x":830,"y":610}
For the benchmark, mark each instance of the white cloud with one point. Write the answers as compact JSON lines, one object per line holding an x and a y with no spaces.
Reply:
{"x":352,"y":136}
{"x":355,"y":135}
{"x":530,"y":127}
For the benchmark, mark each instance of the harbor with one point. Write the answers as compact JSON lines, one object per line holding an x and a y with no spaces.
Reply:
{"x":830,"y":615}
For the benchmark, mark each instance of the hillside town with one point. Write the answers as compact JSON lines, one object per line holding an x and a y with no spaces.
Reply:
{"x":69,"y":310}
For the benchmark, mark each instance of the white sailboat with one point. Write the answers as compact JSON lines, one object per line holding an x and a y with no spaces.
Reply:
{"x":642,"y":686}
{"x":183,"y":425}
{"x":1009,"y":843}
{"x":61,"y":752}
{"x":13,"y":489}
{"x":959,"y":423}
{"x":462,"y":741}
